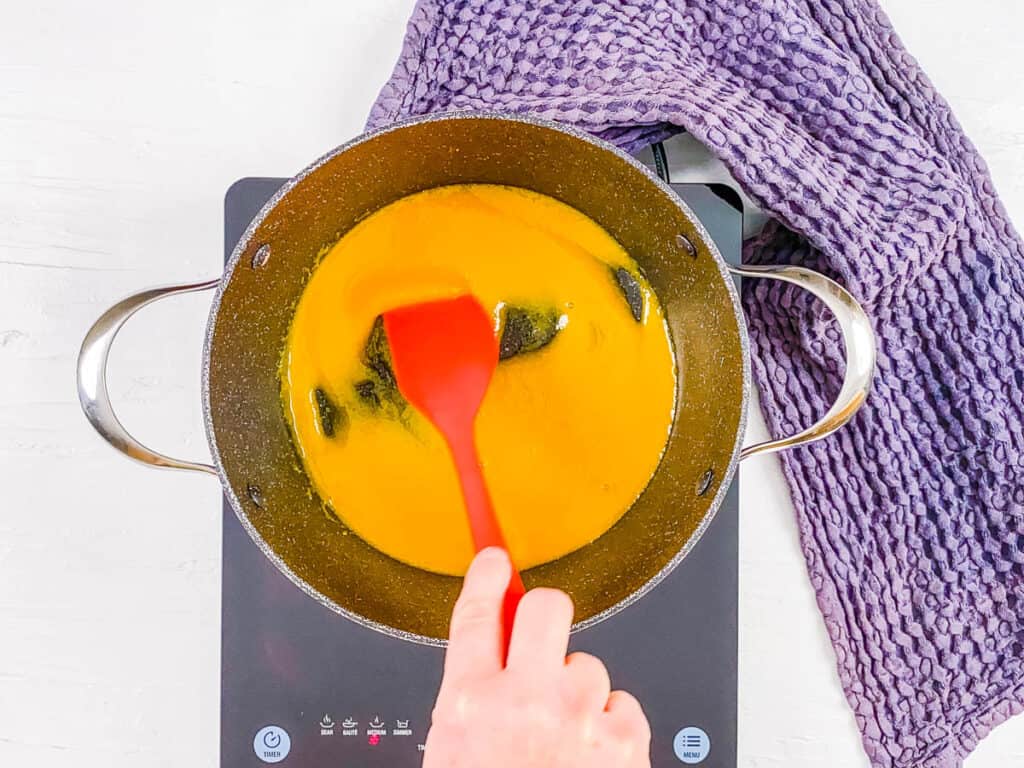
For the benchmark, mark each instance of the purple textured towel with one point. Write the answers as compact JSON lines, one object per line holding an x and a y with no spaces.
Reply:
{"x":912,"y":518}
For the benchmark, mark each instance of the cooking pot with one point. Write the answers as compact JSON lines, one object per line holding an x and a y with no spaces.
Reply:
{"x":250,"y":441}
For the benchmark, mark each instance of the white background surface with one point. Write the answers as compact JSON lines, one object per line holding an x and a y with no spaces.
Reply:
{"x":121,"y":125}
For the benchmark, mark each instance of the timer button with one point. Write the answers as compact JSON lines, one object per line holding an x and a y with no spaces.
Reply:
{"x":272,"y":744}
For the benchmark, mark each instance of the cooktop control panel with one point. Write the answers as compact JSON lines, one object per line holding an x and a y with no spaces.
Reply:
{"x":394,"y":739}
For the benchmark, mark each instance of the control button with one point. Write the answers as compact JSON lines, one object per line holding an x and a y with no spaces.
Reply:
{"x":401,"y":728}
{"x":272,"y":744}
{"x":376,"y":723}
{"x":326,"y":726}
{"x":349,"y":727}
{"x":692,"y":745}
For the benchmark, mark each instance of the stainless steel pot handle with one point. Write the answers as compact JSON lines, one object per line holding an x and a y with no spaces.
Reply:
{"x":858,"y":339}
{"x":92,"y":377}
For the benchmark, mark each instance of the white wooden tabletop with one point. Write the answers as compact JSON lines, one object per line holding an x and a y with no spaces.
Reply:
{"x":121,"y":125}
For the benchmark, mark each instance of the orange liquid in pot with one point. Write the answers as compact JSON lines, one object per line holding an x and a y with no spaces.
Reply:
{"x":570,"y":431}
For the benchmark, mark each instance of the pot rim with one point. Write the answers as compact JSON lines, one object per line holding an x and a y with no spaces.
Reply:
{"x":662,"y":186}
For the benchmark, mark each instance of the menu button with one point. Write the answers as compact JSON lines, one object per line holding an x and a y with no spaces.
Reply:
{"x":692,"y":745}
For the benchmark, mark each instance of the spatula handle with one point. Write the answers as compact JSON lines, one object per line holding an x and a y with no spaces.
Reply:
{"x":515,"y":592}
{"x":483,"y":523}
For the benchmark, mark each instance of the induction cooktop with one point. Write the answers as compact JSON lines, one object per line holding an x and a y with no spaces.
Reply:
{"x":307,"y":688}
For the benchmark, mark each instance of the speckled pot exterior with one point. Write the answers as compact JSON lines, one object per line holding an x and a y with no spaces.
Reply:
{"x":253,"y":306}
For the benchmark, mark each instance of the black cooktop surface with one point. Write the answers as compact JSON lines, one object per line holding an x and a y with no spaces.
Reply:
{"x":307,"y":688}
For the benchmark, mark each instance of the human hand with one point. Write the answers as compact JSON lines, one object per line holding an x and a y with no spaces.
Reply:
{"x":538,"y":709}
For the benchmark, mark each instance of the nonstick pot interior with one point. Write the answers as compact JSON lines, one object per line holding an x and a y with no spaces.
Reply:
{"x":250,"y":317}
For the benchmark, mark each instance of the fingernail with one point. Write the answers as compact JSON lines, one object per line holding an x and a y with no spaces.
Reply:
{"x":493,"y":554}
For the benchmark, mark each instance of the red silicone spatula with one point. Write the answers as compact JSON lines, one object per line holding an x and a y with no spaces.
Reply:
{"x":444,"y":354}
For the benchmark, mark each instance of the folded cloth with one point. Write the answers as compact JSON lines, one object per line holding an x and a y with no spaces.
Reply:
{"x":911,"y":518}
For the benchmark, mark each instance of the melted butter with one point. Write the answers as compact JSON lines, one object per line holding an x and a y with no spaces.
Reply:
{"x":569,"y":434}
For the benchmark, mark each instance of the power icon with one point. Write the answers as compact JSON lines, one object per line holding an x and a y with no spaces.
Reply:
{"x":272,"y":744}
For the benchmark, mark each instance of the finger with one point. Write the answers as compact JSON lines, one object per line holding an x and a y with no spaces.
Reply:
{"x":626,"y":719}
{"x":540,"y":635}
{"x":475,"y":633}
{"x":589,"y":686}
